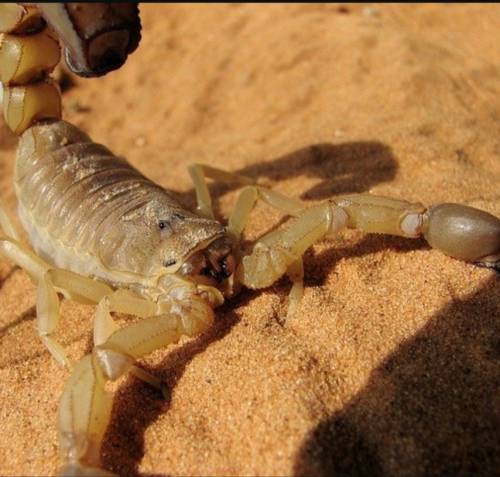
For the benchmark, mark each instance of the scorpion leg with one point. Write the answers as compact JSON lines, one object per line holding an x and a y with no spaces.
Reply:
{"x":7,"y":224}
{"x":47,"y":303}
{"x":86,"y":290}
{"x":104,"y":325}
{"x":199,"y":172}
{"x":47,"y":316}
{"x":50,"y":281}
{"x":74,"y":287}
{"x":245,"y":203}
{"x":23,"y":257}
{"x":247,"y":200}
{"x":78,"y":287}
{"x":84,"y":413}
{"x":296,"y":274}
{"x":85,"y":406}
{"x":239,"y":218}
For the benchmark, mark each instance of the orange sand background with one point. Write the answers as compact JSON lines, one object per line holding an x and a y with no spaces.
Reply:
{"x":392,"y":364}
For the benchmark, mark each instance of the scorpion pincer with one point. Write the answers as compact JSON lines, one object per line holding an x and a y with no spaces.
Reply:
{"x":104,"y":234}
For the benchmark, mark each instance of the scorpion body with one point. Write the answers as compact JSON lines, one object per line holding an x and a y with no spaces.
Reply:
{"x":105,"y":234}
{"x":91,"y":212}
{"x":73,"y":196}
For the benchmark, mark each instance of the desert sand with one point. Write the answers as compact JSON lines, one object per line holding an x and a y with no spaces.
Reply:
{"x":391,"y":365}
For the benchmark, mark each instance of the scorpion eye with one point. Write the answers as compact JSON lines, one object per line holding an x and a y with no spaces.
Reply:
{"x":163,"y":224}
{"x":169,"y":263}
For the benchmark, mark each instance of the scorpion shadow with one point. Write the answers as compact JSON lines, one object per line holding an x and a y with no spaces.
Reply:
{"x":346,"y":168}
{"x":431,"y":408}
{"x":343,"y":168}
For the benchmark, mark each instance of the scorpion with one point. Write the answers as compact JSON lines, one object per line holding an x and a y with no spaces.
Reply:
{"x":104,"y":234}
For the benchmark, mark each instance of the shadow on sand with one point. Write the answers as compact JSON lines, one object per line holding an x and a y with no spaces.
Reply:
{"x":432,"y":408}
{"x":343,"y":169}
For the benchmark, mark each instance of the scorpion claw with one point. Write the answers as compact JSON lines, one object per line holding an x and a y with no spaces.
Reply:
{"x":465,"y":233}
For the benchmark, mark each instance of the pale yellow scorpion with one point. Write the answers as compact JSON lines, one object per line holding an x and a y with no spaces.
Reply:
{"x":103,"y":233}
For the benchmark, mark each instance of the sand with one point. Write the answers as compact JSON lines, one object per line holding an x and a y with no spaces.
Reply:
{"x":391,"y":365}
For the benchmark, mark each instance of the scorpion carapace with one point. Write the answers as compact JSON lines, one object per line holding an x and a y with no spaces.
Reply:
{"x":104,"y":234}
{"x":79,"y":200}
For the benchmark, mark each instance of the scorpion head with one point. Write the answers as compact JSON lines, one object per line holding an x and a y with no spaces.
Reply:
{"x":212,"y":265}
{"x":196,"y":248}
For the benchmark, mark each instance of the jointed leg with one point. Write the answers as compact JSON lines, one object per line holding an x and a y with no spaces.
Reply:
{"x":105,"y":326}
{"x":7,"y":224}
{"x":247,"y":200}
{"x":47,"y":315}
{"x":85,"y":405}
{"x":77,"y":287}
{"x":296,"y":274}
{"x":84,"y":413}
{"x":50,"y":281}
{"x":44,"y":276}
{"x":199,"y":172}
{"x":23,"y":257}
{"x":244,"y":206}
{"x":47,"y":305}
